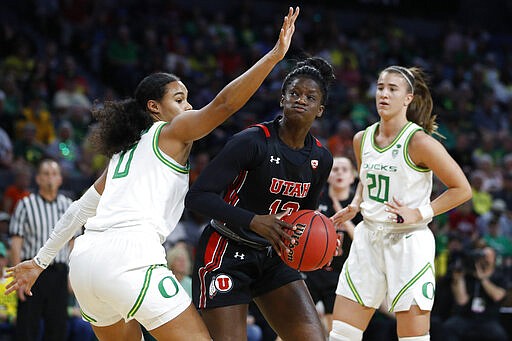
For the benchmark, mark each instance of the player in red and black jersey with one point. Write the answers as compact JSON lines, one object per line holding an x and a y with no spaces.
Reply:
{"x":263,"y":171}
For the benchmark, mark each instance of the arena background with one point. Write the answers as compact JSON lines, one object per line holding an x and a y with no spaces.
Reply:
{"x":58,"y":57}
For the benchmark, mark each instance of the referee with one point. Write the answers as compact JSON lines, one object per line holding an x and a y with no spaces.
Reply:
{"x":31,"y":224}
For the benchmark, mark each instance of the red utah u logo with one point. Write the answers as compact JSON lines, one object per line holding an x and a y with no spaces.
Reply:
{"x":223,"y":283}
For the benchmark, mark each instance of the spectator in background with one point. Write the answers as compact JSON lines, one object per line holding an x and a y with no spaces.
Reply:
{"x":477,"y":290}
{"x":4,"y":228}
{"x":71,"y":73}
{"x":19,"y":189}
{"x":506,"y":191}
{"x":495,"y":238}
{"x":492,"y":178}
{"x":27,"y":148}
{"x":31,"y":224}
{"x":180,"y":263}
{"x":188,"y":231}
{"x":123,"y":58}
{"x":6,"y":150}
{"x":11,"y":104}
{"x":340,"y":144}
{"x":198,"y":162}
{"x":20,"y":62}
{"x":462,"y":221}
{"x":322,"y":283}
{"x":66,"y":151}
{"x":38,"y":114}
{"x":70,"y":97}
{"x":8,"y":303}
{"x":497,"y":213}
{"x":482,"y":200}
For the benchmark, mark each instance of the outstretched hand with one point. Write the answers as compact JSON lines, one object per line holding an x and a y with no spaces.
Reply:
{"x":286,"y":33}
{"x":24,"y":275}
{"x":347,"y":213}
{"x":272,"y":228}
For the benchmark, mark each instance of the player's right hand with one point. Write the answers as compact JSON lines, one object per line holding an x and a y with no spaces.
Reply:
{"x":23,"y":275}
{"x":347,"y":213}
{"x":286,"y":33}
{"x":272,"y":228}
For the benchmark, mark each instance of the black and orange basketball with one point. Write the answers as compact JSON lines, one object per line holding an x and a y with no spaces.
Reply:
{"x":315,"y":240}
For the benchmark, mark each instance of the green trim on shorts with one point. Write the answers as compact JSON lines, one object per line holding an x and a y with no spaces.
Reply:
{"x":353,"y":287}
{"x":410,"y":283}
{"x":143,"y":291}
{"x":87,"y":317}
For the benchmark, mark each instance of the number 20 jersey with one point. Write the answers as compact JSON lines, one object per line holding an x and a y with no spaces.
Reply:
{"x":389,"y":172}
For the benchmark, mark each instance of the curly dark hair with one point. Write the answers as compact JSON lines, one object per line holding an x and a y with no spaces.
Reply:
{"x":121,"y":123}
{"x":316,"y":68}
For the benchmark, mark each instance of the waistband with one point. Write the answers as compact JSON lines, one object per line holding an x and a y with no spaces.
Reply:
{"x":391,"y":228}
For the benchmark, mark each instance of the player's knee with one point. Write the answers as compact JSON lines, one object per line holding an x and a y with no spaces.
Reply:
{"x":342,"y":331}
{"x":415,"y":338}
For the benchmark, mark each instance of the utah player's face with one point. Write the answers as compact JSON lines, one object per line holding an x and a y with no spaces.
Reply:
{"x":302,"y":100}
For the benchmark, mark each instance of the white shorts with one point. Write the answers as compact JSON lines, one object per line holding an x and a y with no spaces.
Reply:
{"x":395,"y":266}
{"x":123,"y":274}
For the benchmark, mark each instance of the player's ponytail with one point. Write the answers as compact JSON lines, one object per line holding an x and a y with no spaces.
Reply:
{"x":121,"y":123}
{"x":419,"y":110}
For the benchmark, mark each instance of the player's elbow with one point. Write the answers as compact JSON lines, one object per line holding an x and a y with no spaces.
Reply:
{"x":466,"y":192}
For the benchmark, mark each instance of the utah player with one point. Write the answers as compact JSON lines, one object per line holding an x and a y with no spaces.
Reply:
{"x":263,"y":171}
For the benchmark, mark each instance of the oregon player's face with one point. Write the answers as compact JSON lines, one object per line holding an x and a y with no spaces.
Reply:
{"x":392,"y":95}
{"x":174,"y":101}
{"x":302,"y":100}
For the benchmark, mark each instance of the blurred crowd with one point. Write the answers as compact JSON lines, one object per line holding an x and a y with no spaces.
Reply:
{"x":61,"y":58}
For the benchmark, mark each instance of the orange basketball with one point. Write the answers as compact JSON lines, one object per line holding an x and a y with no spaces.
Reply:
{"x":315,"y":240}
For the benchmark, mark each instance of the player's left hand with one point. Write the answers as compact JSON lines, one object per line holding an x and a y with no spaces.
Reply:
{"x":401,"y":214}
{"x":337,"y":252}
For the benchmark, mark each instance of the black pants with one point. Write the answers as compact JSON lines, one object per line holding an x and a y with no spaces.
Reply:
{"x":48,"y":304}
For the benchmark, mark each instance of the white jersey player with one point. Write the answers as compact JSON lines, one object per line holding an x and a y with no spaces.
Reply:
{"x":391,"y":260}
{"x":117,"y":268}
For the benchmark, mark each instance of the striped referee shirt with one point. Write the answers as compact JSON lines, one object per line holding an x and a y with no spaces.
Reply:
{"x":34,"y":219}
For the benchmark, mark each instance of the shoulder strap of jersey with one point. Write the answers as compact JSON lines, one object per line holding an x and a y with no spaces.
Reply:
{"x":265,"y":129}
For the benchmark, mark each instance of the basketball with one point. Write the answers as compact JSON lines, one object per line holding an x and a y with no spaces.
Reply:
{"x":315,"y":240}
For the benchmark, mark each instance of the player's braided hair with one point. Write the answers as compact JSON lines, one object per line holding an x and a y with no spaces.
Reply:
{"x":315,"y":68}
{"x":121,"y":123}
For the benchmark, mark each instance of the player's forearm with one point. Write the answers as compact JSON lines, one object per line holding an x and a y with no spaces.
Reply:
{"x":67,"y":226}
{"x":450,"y":198}
{"x":212,"y":206}
{"x":358,"y":196}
